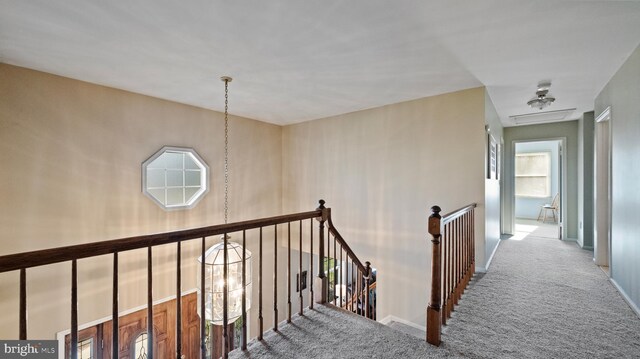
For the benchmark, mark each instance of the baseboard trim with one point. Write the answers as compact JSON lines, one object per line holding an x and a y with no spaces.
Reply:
{"x":488,"y":264}
{"x":626,"y":297}
{"x":391,"y":318}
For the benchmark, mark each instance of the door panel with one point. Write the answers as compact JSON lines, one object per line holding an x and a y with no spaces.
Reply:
{"x":134,"y":324}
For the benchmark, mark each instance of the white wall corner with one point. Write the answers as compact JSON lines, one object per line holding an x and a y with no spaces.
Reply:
{"x":627,"y":299}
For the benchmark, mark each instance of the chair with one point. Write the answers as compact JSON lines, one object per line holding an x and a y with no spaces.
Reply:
{"x":553,"y":207}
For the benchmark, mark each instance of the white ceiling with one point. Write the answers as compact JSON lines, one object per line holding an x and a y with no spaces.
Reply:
{"x":295,"y":60}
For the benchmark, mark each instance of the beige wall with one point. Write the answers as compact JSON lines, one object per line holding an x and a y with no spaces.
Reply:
{"x":71,"y":155}
{"x":380,"y":170}
{"x":622,"y":94}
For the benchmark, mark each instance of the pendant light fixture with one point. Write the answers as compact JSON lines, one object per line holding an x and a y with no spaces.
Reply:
{"x":236,"y":277}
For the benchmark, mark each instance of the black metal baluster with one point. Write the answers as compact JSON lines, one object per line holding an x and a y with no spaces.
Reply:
{"x":178,"y":301}
{"x":311,"y":265}
{"x":244,"y":292}
{"x":225,"y":298}
{"x":300,"y":300}
{"x":23,"y":304}
{"x":260,"y":319}
{"x":203,"y":341}
{"x":275,"y":278}
{"x":114,"y":310}
{"x":149,"y":304}
{"x":74,"y":310}
{"x":289,"y":272}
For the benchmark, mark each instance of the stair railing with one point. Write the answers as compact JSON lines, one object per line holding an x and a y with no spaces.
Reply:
{"x":452,"y":264}
{"x":354,"y":277}
{"x":22,"y":261}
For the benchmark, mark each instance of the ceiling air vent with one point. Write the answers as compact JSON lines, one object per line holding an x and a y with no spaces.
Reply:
{"x":543,"y":117}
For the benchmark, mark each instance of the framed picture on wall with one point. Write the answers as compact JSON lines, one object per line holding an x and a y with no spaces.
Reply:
{"x":499,"y":162}
{"x":492,"y":158}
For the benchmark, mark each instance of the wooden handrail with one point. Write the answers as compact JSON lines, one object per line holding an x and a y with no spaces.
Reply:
{"x":457,"y":213}
{"x":63,"y":254}
{"x":452,"y":264}
{"x":343,"y":243}
{"x":25,"y":260}
{"x":353,"y":298}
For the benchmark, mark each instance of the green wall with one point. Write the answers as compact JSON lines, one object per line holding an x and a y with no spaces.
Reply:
{"x":569,"y":130}
{"x":622,"y":93}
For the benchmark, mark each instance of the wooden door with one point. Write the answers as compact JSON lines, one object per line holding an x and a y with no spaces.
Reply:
{"x":134,"y":324}
{"x":92,"y":336}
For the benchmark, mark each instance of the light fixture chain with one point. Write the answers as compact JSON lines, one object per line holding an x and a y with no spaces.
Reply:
{"x":226,"y":150}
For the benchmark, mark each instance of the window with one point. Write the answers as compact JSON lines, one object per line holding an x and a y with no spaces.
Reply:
{"x":533,"y":174}
{"x":85,"y":349}
{"x":140,"y":347}
{"x":175,"y":178}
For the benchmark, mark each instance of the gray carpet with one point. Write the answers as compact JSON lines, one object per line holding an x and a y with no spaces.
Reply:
{"x":542,"y":298}
{"x":414,"y":332}
{"x":329,"y":332}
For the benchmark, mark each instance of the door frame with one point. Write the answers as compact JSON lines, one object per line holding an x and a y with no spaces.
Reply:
{"x":603,"y":119}
{"x":563,"y":182}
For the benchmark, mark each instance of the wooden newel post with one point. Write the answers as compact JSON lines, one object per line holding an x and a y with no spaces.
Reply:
{"x":367,"y":281}
{"x":321,"y":280}
{"x":434,"y":318}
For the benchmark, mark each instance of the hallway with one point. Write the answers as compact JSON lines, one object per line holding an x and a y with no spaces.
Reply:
{"x":542,"y":298}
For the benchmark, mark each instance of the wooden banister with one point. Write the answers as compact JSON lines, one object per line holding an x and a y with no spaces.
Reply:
{"x":452,"y":264}
{"x":37,"y":258}
{"x":344,"y":244}
{"x":341,"y":252}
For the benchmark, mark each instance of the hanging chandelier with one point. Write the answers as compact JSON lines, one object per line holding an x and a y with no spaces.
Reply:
{"x":237,"y":275}
{"x":214,"y":281}
{"x":542,"y":98}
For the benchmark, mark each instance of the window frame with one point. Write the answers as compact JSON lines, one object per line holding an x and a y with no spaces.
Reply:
{"x":195,"y":198}
{"x":547,"y":155}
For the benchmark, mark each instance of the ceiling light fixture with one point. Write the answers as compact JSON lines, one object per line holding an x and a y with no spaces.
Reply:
{"x":542,"y":98}
{"x":225,"y":285}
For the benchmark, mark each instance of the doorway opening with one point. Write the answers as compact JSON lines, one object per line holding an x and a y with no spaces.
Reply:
{"x":539,"y":188}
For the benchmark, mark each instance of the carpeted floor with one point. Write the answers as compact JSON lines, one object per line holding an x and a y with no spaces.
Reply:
{"x":542,"y":298}
{"x":533,"y":228}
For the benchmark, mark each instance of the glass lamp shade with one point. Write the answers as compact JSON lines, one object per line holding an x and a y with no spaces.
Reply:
{"x":214,"y":282}
{"x":542,"y":99}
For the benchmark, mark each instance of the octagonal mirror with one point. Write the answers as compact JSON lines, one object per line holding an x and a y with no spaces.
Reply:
{"x":175,"y":178}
